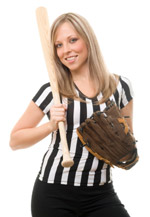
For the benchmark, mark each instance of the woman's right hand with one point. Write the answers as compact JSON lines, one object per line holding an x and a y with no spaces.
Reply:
{"x":57,"y":114}
{"x":26,"y":132}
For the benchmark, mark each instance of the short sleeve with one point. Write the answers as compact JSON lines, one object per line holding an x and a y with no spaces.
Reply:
{"x":126,"y":91}
{"x":43,"y":98}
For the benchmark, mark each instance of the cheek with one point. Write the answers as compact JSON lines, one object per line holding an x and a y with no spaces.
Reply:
{"x":59,"y":53}
{"x":82,"y":48}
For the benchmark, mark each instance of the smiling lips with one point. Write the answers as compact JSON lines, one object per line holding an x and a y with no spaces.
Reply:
{"x":71,"y":58}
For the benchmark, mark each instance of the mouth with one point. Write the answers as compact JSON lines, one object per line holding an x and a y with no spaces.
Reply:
{"x":71,"y":58}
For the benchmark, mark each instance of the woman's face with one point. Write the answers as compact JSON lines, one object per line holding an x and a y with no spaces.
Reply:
{"x":71,"y":48}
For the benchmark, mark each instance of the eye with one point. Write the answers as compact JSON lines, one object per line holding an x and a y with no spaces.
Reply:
{"x":72,"y":40}
{"x":58,"y":45}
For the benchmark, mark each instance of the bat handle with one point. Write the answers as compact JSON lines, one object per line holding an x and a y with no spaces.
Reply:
{"x":67,"y":161}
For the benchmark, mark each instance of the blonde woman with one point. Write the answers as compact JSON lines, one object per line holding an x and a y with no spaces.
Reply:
{"x":85,"y":189}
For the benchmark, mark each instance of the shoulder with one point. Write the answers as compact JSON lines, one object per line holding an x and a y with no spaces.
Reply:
{"x":126,"y":85}
{"x":43,"y":91}
{"x":124,"y":81}
{"x":44,"y":87}
{"x":44,"y":98}
{"x":124,"y":90}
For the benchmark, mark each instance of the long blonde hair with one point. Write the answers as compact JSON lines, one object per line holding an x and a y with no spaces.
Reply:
{"x":105,"y":81}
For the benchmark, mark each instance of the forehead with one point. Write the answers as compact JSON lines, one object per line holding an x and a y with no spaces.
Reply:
{"x":64,"y":31}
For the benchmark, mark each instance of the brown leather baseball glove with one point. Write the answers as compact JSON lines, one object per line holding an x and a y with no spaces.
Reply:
{"x":107,"y":136}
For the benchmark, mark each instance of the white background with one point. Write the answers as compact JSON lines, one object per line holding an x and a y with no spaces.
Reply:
{"x":122,"y":28}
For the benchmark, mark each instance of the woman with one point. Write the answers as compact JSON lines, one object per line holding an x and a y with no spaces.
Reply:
{"x":85,"y":189}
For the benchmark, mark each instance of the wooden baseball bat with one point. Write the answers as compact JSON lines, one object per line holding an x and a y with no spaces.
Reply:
{"x":44,"y":31}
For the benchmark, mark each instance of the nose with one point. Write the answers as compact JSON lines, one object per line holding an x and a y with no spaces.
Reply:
{"x":66,"y":48}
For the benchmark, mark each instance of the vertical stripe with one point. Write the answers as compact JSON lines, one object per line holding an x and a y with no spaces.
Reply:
{"x":97,"y":178}
{"x":51,"y":158}
{"x":88,"y":158}
{"x":104,"y":174}
{"x":108,"y":175}
{"x":116,"y":95}
{"x":76,"y":121}
{"x":119,"y":91}
{"x":124,"y":100}
{"x":53,"y":174}
{"x":72,"y":178}
{"x":46,"y":107}
{"x":43,"y":165}
{"x":75,"y":142}
{"x":70,"y":124}
{"x":126,"y":92}
{"x":92,"y":172}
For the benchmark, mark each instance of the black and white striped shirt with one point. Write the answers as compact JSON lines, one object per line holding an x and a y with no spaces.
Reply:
{"x":87,"y":169}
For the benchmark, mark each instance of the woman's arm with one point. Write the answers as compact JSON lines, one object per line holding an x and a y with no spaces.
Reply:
{"x":26,"y":132}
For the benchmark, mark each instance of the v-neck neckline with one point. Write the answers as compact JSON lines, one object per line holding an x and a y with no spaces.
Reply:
{"x":91,"y":98}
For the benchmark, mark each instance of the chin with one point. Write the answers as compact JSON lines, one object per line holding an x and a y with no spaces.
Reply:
{"x":74,"y":68}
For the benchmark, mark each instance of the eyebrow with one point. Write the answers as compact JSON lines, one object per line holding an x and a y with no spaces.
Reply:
{"x":67,"y":38}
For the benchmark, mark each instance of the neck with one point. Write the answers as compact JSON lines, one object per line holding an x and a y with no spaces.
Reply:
{"x":82,"y":75}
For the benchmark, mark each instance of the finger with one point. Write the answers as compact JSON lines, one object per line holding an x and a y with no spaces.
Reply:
{"x":58,"y":119}
{"x":58,"y":106}
{"x":65,"y":106}
{"x":58,"y":114}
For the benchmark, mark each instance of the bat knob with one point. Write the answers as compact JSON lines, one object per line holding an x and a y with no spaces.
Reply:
{"x":67,"y":163}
